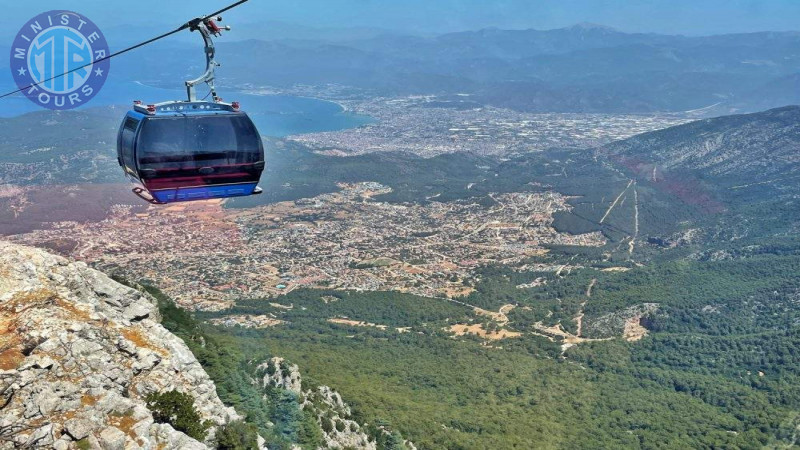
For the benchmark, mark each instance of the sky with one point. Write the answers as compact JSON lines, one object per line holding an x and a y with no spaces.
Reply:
{"x":690,"y":17}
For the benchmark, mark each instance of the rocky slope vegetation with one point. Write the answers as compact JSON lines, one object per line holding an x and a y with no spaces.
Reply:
{"x":334,"y":416}
{"x":744,"y":170}
{"x":743,"y":148}
{"x":78,"y":355}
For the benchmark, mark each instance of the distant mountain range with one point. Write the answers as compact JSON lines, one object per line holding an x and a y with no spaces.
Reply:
{"x":583,"y":68}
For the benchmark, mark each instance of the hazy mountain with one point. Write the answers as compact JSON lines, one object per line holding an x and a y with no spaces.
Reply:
{"x":776,"y":92}
{"x":584,"y":68}
{"x":509,"y":44}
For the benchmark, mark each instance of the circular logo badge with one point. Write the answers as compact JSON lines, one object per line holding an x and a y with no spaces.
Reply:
{"x":54,"y":43}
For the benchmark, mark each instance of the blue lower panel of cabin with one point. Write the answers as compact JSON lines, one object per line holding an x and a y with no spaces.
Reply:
{"x":204,"y":193}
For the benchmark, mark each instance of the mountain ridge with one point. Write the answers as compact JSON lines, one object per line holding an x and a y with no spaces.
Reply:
{"x":744,"y":146}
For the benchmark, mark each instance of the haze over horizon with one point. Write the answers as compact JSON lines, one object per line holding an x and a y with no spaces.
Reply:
{"x":420,"y":17}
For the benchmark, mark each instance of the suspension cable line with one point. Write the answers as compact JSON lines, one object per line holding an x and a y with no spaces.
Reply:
{"x":188,"y":25}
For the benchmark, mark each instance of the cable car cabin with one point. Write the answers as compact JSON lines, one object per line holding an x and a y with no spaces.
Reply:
{"x":182,"y":151}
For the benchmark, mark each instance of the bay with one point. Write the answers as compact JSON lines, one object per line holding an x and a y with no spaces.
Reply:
{"x":274,"y":115}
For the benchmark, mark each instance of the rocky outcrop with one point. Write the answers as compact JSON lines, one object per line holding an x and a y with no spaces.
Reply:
{"x":278,"y":373}
{"x":626,"y":323}
{"x":78,"y":354}
{"x":333,"y":414}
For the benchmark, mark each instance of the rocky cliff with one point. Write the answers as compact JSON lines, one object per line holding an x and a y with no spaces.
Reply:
{"x":339,"y":429}
{"x":332,"y":413}
{"x":78,"y":355}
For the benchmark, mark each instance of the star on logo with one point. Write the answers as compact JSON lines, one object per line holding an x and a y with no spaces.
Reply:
{"x":22,"y":71}
{"x":98,"y":72}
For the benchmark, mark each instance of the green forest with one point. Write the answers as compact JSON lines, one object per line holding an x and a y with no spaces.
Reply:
{"x":718,"y":369}
{"x":716,"y":289}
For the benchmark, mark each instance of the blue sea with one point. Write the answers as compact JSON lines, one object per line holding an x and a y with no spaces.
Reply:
{"x":274,"y":115}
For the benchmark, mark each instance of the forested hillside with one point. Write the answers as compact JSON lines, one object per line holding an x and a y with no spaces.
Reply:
{"x":685,"y":337}
{"x":715,"y":369}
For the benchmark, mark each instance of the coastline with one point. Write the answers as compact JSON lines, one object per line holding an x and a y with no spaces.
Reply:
{"x":266,"y":93}
{"x":290,"y":115}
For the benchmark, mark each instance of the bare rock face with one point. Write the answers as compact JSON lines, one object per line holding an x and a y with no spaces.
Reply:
{"x":278,"y":373}
{"x":78,"y":354}
{"x":626,"y":322}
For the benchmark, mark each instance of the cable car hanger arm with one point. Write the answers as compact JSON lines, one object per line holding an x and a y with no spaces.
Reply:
{"x":207,"y":29}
